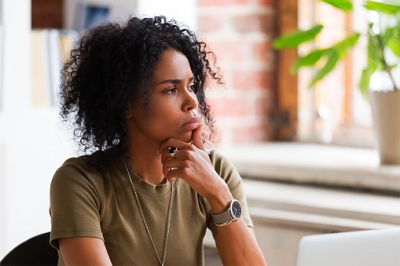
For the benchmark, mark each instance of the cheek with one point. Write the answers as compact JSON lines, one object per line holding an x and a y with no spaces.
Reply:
{"x":162,"y":108}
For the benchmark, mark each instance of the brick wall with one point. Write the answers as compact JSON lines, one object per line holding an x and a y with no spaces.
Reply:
{"x":47,"y":13}
{"x":239,"y":32}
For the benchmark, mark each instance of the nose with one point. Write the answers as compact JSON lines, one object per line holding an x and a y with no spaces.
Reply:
{"x":190,"y":102}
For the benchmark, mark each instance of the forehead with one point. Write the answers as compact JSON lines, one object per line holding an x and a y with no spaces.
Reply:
{"x":172,"y":65}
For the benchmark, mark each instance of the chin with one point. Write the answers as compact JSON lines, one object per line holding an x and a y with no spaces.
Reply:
{"x":185,"y":137}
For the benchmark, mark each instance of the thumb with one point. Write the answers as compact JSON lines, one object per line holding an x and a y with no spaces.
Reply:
{"x":196,"y":137}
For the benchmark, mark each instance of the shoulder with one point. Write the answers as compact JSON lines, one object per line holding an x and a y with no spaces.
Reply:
{"x":219,"y":161}
{"x":76,"y":171}
{"x":225,"y":168}
{"x":76,"y":165}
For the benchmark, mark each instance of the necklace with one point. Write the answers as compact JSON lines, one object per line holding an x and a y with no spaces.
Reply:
{"x":145,"y":223}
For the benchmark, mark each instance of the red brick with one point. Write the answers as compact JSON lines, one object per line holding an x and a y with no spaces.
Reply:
{"x":261,"y":51}
{"x":267,"y":3}
{"x":249,"y":134}
{"x":209,"y":23}
{"x":46,"y":13}
{"x":253,"y":23}
{"x":251,"y":80}
{"x":261,"y":106}
{"x":228,"y":107}
{"x":228,"y":50}
{"x":203,"y":3}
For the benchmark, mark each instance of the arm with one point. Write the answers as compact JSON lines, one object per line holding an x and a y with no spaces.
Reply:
{"x":75,"y":217}
{"x":252,"y":253}
{"x":83,"y":251}
{"x":236,"y":242}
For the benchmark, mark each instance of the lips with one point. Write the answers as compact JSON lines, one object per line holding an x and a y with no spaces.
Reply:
{"x":191,"y":124}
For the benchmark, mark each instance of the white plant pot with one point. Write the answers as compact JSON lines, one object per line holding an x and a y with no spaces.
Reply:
{"x":386,"y":115}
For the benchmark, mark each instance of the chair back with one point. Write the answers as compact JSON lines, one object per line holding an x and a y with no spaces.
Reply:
{"x":35,"y":251}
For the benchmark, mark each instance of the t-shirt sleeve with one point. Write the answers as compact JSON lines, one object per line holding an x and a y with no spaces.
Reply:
{"x":74,"y":202}
{"x":227,"y":171}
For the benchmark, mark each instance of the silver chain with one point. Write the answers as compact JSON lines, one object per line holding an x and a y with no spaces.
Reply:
{"x":145,"y":223}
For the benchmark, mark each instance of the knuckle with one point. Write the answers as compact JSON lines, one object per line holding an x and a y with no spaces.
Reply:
{"x":184,"y":171}
{"x":186,"y":164}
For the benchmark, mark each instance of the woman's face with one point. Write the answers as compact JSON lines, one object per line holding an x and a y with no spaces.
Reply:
{"x":172,"y":110}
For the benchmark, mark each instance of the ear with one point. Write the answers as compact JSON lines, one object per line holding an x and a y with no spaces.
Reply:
{"x":128,"y":113}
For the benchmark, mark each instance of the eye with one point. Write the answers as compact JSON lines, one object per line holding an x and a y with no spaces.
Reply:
{"x":171,"y":91}
{"x":190,"y":87}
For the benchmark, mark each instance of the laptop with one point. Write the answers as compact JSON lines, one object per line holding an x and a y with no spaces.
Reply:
{"x":366,"y":248}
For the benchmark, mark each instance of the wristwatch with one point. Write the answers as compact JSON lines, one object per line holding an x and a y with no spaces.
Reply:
{"x":233,"y":213}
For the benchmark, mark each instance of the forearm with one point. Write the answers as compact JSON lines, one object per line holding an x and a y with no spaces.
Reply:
{"x":84,"y":251}
{"x":237,"y":245}
{"x":236,"y":242}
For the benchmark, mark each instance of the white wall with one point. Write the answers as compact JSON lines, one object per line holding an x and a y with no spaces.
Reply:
{"x":32,"y":143}
{"x":16,"y":24}
{"x":181,"y":10}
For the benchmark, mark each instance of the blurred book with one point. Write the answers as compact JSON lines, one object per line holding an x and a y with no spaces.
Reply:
{"x":55,"y":64}
{"x":94,"y":13}
{"x":67,"y":39}
{"x":49,"y":50}
{"x":40,"y":80}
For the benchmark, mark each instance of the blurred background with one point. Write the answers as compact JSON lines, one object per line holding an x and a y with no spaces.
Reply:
{"x":308,"y":157}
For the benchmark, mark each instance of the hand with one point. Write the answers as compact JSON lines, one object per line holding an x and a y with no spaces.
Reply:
{"x":192,"y":164}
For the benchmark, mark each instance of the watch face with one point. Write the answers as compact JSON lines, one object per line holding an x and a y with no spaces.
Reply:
{"x":236,"y":209}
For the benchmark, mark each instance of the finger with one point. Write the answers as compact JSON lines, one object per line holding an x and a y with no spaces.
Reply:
{"x":166,"y":169}
{"x":166,"y":156}
{"x":196,"y":137}
{"x":171,"y":142}
{"x":169,"y":164}
{"x":172,"y":174}
{"x":174,"y":163}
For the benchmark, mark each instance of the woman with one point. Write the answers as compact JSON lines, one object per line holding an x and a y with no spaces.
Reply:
{"x":149,"y":190}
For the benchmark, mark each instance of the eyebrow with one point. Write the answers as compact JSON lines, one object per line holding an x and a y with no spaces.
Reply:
{"x":174,"y":81}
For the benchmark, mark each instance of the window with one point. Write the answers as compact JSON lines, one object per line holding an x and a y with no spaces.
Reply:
{"x":335,"y":111}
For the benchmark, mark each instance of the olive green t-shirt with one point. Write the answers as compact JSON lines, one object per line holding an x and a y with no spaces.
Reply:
{"x":88,"y":203}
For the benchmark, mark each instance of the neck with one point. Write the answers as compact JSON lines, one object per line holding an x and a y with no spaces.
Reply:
{"x":145,"y":160}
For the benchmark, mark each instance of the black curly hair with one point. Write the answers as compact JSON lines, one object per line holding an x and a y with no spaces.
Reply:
{"x":109,"y":70}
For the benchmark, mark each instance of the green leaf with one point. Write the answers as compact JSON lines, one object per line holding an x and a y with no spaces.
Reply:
{"x":375,"y":49}
{"x":394,"y":46}
{"x":307,"y":60}
{"x":332,"y":57}
{"x":293,"y":39}
{"x":375,"y":60}
{"x":364,"y":81}
{"x":344,"y":5}
{"x":392,"y":36}
{"x":373,"y":63}
{"x":313,"y":57}
{"x":381,"y":7}
{"x":366,"y":77}
{"x":344,"y":45}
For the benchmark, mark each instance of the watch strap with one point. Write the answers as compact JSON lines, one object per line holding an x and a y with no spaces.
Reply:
{"x":222,"y":218}
{"x":225,"y":217}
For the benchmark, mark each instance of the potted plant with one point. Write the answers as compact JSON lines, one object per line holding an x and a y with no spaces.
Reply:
{"x":383,"y":55}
